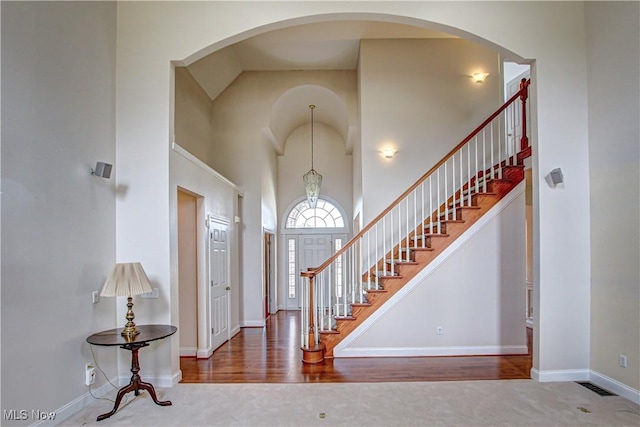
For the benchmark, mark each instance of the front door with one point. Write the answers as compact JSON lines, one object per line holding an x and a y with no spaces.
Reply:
{"x":219,"y":281}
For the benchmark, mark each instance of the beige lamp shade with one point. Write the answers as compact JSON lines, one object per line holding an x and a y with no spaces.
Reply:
{"x":125,"y":280}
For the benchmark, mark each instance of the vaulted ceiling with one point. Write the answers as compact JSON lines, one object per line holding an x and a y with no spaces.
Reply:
{"x":320,"y":46}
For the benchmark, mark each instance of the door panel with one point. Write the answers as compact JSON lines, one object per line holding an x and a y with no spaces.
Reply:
{"x":219,"y":282}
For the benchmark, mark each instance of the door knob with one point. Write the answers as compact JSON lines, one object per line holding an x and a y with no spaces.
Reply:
{"x":228,"y":288}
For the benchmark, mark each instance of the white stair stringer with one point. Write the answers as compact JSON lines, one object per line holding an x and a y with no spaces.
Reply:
{"x":344,"y":347}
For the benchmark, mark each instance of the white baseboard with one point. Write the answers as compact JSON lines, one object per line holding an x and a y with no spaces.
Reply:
{"x":252,"y":324}
{"x":235,"y":331}
{"x":615,"y":386}
{"x":188,"y":351}
{"x":163,"y":381}
{"x":595,"y":377}
{"x":204,"y":353}
{"x":560,"y":375}
{"x":431,"y":351}
{"x":76,"y":405}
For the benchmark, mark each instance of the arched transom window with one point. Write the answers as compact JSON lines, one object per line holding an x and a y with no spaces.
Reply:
{"x":324,"y":215}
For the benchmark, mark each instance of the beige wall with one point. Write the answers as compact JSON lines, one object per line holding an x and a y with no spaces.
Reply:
{"x":613,"y":46}
{"x":192,"y":111}
{"x":188,"y":273}
{"x":417,"y":95}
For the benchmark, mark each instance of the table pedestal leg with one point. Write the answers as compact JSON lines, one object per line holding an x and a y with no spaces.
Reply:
{"x":135,"y":384}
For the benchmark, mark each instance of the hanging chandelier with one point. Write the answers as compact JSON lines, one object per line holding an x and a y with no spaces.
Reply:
{"x":312,"y":179}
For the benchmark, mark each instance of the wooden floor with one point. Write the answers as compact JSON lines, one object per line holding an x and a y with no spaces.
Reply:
{"x":272,"y":355}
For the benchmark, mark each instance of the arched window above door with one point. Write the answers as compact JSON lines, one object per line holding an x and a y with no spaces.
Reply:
{"x":324,"y":215}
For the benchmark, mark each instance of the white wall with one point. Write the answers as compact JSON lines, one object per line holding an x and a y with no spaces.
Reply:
{"x":476,"y":295}
{"x":552,"y":35}
{"x":417,"y":95}
{"x":58,"y":221}
{"x":613,"y":47}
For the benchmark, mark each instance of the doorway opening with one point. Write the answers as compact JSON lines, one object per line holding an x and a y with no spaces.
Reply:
{"x":188,"y":272}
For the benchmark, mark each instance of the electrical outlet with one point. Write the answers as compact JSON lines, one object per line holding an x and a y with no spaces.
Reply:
{"x":90,"y":374}
{"x":439,"y":330}
{"x":95,"y":297}
{"x":622,"y":360}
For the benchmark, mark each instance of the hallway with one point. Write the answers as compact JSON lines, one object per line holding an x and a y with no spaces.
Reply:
{"x":272,"y":355}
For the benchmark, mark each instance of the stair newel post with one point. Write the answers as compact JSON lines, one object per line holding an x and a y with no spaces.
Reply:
{"x":314,"y":352}
{"x":524,"y":93}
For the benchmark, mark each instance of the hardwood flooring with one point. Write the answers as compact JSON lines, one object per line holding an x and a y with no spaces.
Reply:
{"x":272,"y":355}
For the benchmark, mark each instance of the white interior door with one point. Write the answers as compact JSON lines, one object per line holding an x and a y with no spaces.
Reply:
{"x":219,"y":282}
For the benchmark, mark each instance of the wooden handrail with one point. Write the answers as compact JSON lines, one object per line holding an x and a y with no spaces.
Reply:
{"x":522,"y":93}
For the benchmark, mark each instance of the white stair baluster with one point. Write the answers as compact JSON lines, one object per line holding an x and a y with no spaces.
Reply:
{"x":461,"y":179}
{"x":493,"y":169}
{"x":453,"y":186}
{"x":430,"y":212}
{"x":424,"y":218}
{"x":469,"y":174}
{"x":438,"y":203}
{"x":476,"y":159}
{"x":484,"y":162}
{"x":446,"y":193}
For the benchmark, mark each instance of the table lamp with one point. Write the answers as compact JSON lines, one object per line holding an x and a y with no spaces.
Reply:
{"x":127,"y":279}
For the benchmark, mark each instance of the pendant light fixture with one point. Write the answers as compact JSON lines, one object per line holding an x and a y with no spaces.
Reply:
{"x":312,"y":179}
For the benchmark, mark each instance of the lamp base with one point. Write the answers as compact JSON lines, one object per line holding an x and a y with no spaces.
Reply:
{"x":130,"y":331}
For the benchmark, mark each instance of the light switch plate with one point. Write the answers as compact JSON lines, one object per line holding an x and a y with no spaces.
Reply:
{"x":151,"y":295}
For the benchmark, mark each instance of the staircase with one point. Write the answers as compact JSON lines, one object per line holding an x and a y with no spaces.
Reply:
{"x":417,"y":227}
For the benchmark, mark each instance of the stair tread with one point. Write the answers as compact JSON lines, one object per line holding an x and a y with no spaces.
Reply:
{"x":344,"y":318}
{"x":402,"y":262}
{"x":361,"y":304}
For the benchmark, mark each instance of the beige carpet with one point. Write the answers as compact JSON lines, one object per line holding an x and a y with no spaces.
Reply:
{"x":472,"y":403}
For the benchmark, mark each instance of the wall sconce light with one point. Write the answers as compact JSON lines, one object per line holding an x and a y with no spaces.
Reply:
{"x":103,"y":170}
{"x":388,"y":152}
{"x":479,"y":77}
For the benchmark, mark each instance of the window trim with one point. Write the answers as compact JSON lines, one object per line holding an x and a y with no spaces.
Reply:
{"x":309,"y":230}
